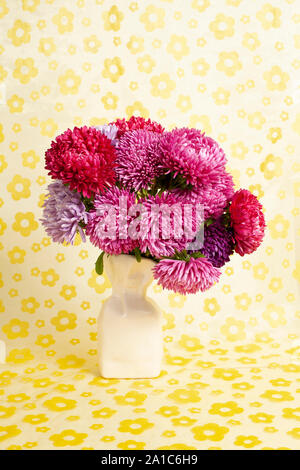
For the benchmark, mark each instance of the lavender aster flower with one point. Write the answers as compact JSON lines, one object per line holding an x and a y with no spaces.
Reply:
{"x":110,"y":131}
{"x":218,"y":244}
{"x":62,"y":212}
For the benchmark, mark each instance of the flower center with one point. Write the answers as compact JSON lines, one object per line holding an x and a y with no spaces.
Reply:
{"x":135,"y":426}
{"x":229,"y":62}
{"x":276,"y":79}
{"x":270,"y":16}
{"x":70,"y":82}
{"x":224,"y":409}
{"x":222,"y":26}
{"x":24,"y":69}
{"x":233,"y":329}
{"x":19,"y":32}
{"x":113,"y":68}
{"x":152,"y":18}
{"x":271,"y":166}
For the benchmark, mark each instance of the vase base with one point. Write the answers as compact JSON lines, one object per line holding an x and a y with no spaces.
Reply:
{"x":111,"y":371}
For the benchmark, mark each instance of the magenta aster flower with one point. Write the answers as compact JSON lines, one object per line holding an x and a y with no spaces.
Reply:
{"x":186,"y":277}
{"x":137,"y":160}
{"x":108,"y":222}
{"x":247,"y":220}
{"x":63,"y":210}
{"x":83,"y":158}
{"x":162,"y":226}
{"x":137,"y":122}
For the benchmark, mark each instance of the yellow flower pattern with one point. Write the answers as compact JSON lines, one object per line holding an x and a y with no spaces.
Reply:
{"x":232,"y":355}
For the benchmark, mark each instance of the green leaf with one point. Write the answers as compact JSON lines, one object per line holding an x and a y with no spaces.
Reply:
{"x":99,"y":264}
{"x":209,"y":221}
{"x":138,"y":255}
{"x":197,"y":254}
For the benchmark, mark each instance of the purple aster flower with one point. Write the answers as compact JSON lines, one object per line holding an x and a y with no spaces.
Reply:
{"x":218,"y":244}
{"x":62,"y":212}
{"x":137,"y":158}
{"x":108,"y":223}
{"x":186,"y":277}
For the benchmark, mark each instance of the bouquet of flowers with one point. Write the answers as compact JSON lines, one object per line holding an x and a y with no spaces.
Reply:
{"x":134,"y":188}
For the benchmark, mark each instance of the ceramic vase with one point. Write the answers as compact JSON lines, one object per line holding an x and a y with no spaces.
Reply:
{"x":129,"y":325}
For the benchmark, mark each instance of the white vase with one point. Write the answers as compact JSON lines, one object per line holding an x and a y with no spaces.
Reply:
{"x":129,"y":324}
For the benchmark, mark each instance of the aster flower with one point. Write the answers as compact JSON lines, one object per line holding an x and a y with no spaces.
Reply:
{"x":63,"y":210}
{"x":214,"y":199}
{"x":107,"y":223}
{"x":137,"y":160}
{"x":137,"y":122}
{"x":189,"y":153}
{"x":162,"y":226}
{"x":218,"y":244}
{"x":110,"y":130}
{"x":186,"y":277}
{"x":247,"y":220}
{"x":83,"y":158}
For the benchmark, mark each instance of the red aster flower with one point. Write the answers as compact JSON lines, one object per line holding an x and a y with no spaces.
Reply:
{"x":247,"y":220}
{"x":84,"y":159}
{"x":137,"y":123}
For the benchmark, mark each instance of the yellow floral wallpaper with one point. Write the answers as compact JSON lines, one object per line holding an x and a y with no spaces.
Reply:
{"x":230,"y":376}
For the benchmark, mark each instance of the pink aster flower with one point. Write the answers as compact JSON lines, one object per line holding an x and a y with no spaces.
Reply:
{"x":247,"y":220}
{"x":137,"y":160}
{"x":107,"y":225}
{"x":136,"y":122}
{"x":213,"y":198}
{"x":162,"y":226}
{"x":189,"y":153}
{"x":84,"y":159}
{"x":186,"y":277}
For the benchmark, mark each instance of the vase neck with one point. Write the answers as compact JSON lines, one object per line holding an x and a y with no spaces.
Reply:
{"x":127,"y":275}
